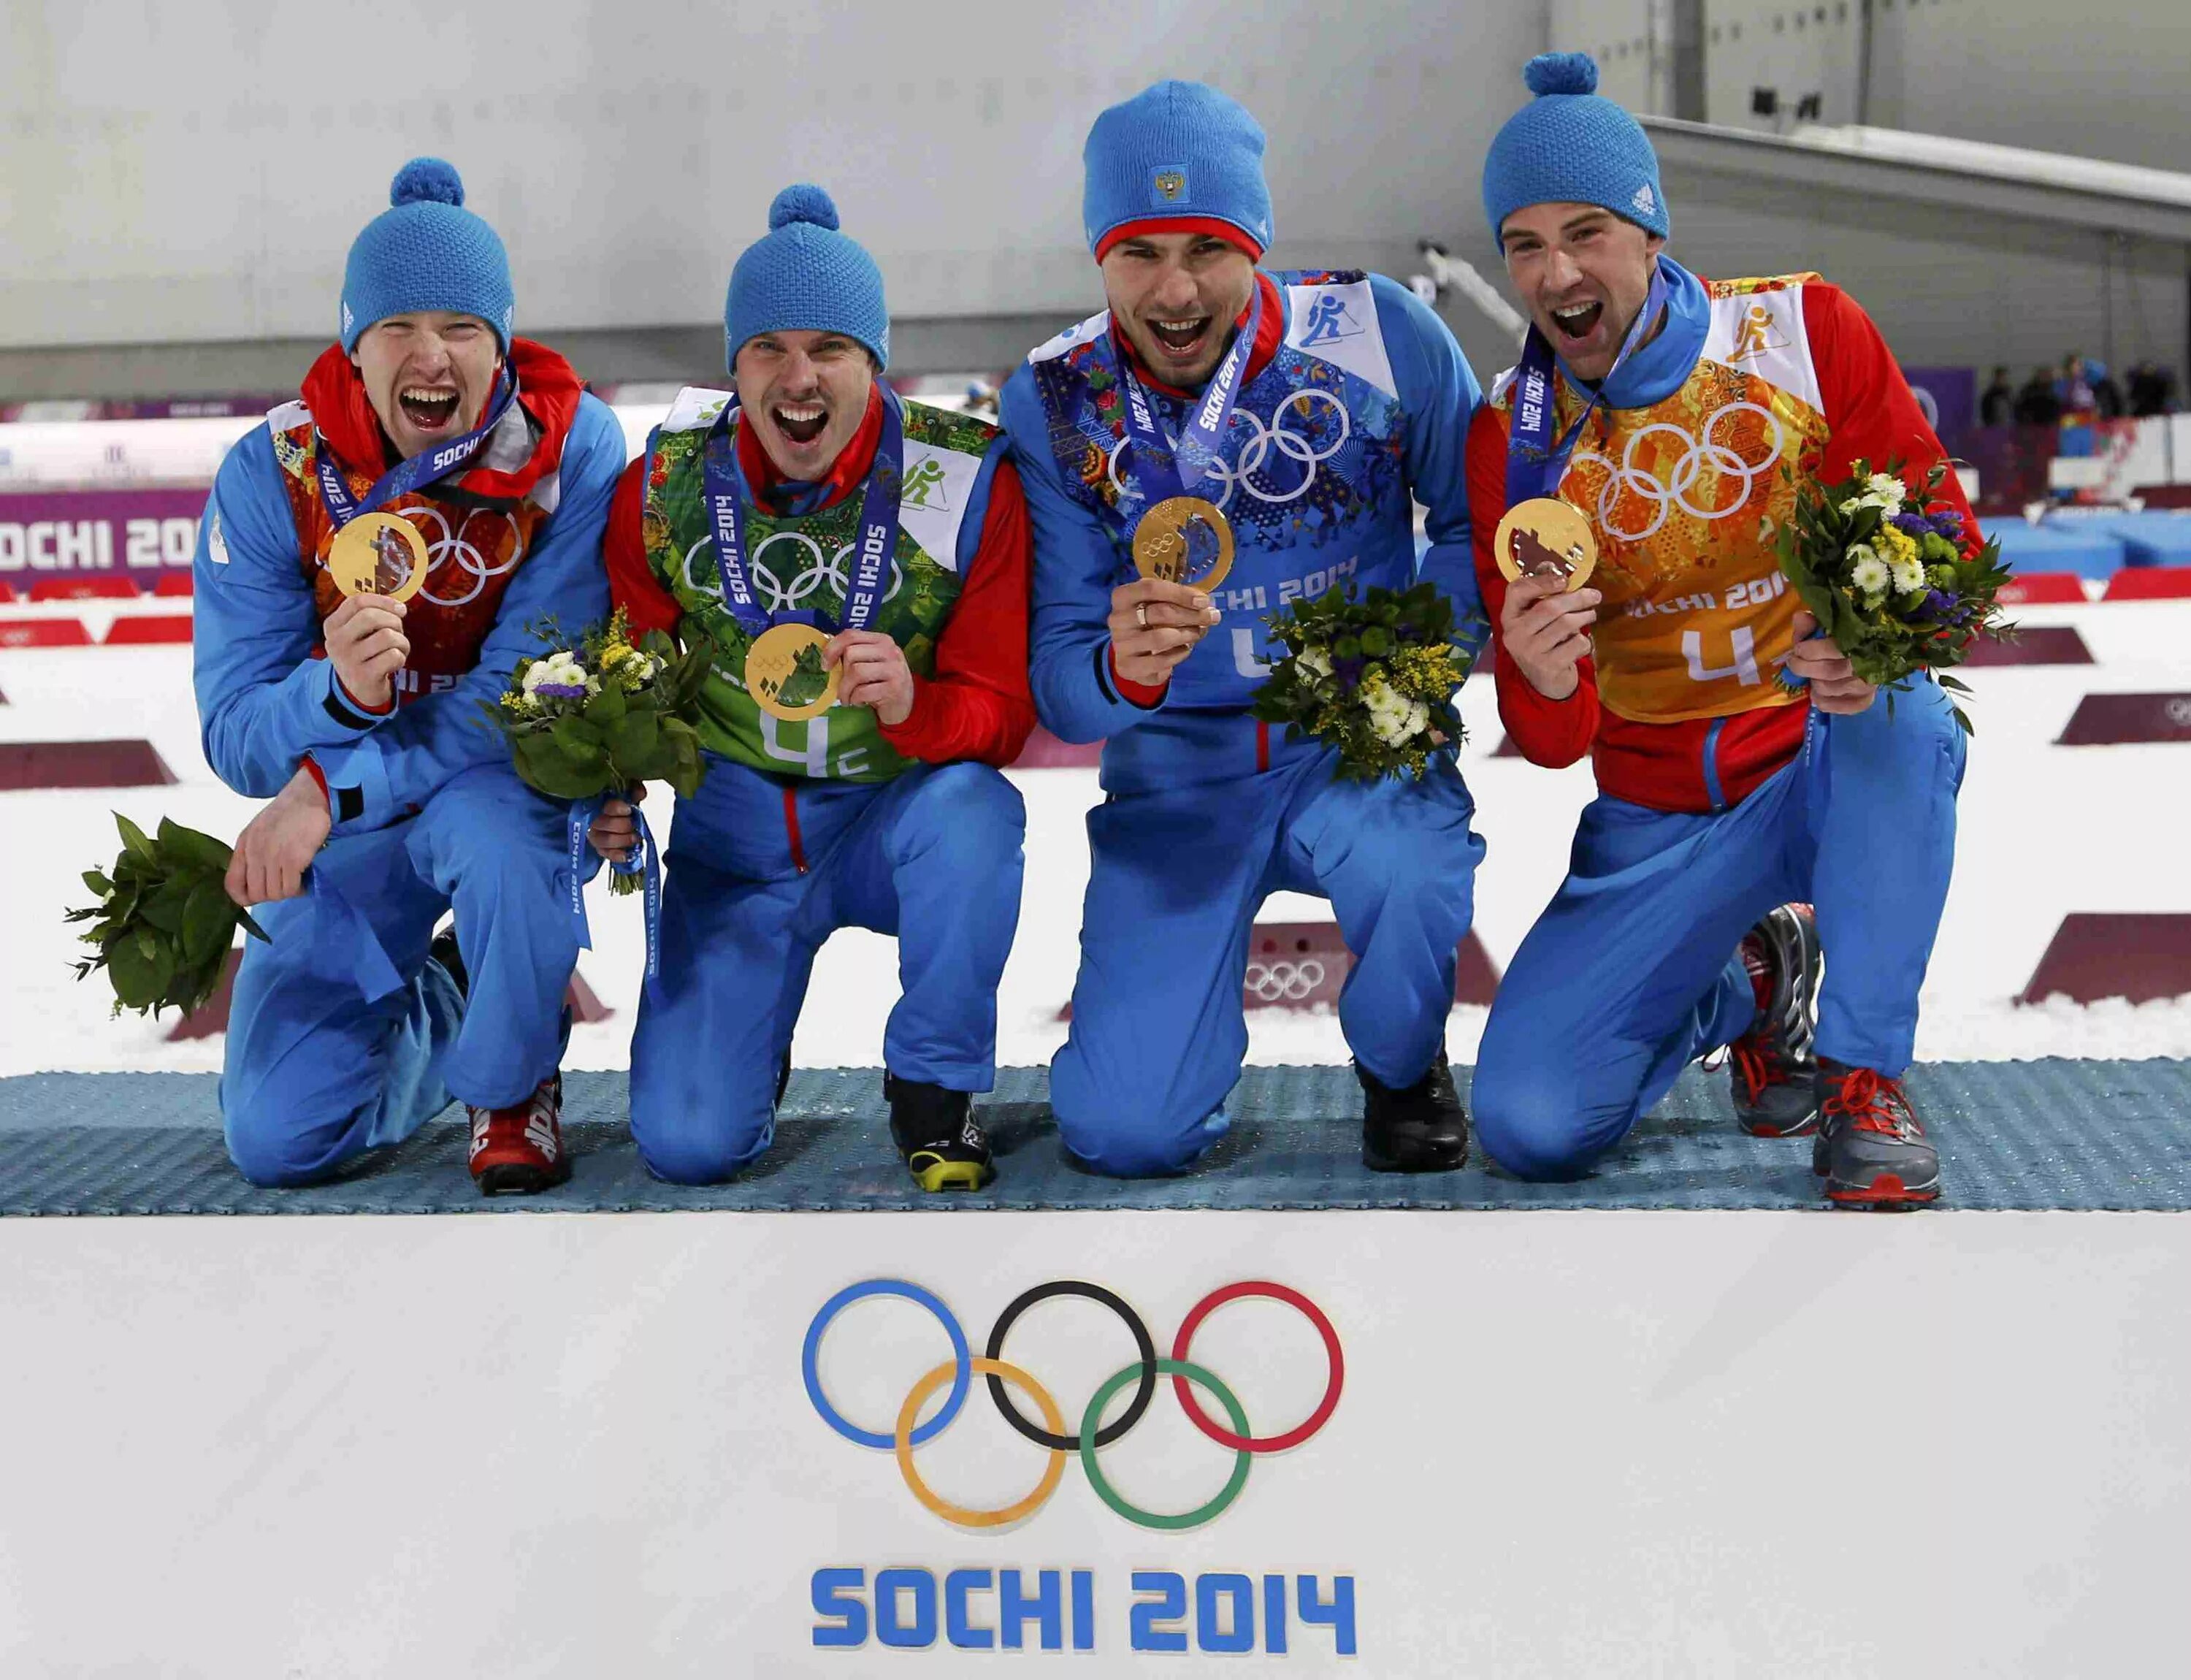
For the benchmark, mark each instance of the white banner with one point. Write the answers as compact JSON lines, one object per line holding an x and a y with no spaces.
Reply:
{"x":1555,"y":1444}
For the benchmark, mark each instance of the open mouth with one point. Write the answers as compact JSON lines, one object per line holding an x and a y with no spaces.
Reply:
{"x":1180,"y":339}
{"x":800,"y":422}
{"x":1577,"y":321}
{"x":427,"y":407}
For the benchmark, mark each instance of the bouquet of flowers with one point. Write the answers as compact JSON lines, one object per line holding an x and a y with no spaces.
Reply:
{"x":165,"y":920}
{"x":1886,"y":574}
{"x":1373,"y":677}
{"x":587,"y":720}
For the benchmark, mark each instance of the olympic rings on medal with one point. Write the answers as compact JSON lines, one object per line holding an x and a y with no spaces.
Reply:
{"x":961,"y":1365}
{"x":1096,"y":1292}
{"x":1093,"y":1434}
{"x":1284,"y":981}
{"x":1241,"y":1440}
{"x":1294,"y":445}
{"x":1699,"y":451}
{"x":457,"y":545}
{"x":998,"y":1374}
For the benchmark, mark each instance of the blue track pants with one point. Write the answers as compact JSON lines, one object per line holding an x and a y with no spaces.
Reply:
{"x":1628,"y":975}
{"x":1158,"y":1032}
{"x":932,"y":857}
{"x":316,"y":1072}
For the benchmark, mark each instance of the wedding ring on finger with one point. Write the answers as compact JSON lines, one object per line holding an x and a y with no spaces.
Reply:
{"x":1142,"y":613}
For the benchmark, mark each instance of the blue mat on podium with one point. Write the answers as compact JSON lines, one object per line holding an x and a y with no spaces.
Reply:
{"x":2056,"y":1135}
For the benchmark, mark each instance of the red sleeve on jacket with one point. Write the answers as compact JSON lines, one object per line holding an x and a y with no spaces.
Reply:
{"x":1554,"y":733}
{"x":978,"y":704}
{"x":632,"y":582}
{"x":1870,"y":410}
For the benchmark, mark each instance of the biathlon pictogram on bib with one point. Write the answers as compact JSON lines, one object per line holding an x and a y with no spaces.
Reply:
{"x":1052,"y":1434}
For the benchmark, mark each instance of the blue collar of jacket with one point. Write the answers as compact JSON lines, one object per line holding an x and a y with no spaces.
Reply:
{"x":1663,"y":367}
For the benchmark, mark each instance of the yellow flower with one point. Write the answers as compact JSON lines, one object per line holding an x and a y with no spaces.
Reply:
{"x":1896,"y":547}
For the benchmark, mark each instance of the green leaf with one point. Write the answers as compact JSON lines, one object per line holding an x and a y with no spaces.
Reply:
{"x":163,"y":909}
{"x":98,"y":883}
{"x":208,"y":921}
{"x":188,"y":845}
{"x":140,"y":976}
{"x":606,"y":708}
{"x":133,"y":837}
{"x":244,"y":919}
{"x":576,"y":737}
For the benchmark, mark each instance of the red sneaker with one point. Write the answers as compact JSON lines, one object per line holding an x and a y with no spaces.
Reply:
{"x":521,"y":1148}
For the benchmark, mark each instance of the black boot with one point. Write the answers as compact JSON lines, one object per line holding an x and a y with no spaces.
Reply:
{"x":936,"y":1131}
{"x":444,"y":951}
{"x":1422,"y":1129}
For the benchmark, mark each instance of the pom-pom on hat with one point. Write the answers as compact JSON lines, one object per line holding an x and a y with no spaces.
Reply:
{"x":1570,"y":144}
{"x":1180,"y":152}
{"x":426,"y":251}
{"x":805,"y":275}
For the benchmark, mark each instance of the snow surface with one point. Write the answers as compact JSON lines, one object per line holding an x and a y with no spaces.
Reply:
{"x":2046,"y":831}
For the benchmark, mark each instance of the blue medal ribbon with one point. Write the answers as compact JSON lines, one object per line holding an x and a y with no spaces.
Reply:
{"x":728,"y":497}
{"x":1161,"y":469}
{"x":414,"y":473}
{"x":1534,"y":464}
{"x":645,"y":860}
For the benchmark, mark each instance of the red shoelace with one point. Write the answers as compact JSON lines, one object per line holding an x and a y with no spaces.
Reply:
{"x":1873,"y":1104}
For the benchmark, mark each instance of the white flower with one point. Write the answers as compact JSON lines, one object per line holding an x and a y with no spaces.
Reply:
{"x":1883,"y":490}
{"x":1909,"y":575}
{"x":1869,"y":573}
{"x":1314,"y":660}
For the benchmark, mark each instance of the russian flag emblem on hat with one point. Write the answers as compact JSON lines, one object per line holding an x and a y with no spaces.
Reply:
{"x":1168,"y":183}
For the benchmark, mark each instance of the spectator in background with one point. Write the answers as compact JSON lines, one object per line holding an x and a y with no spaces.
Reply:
{"x":2036,"y":402}
{"x":2152,"y":389}
{"x":2106,"y":395}
{"x":2073,"y":389}
{"x":1997,"y":406}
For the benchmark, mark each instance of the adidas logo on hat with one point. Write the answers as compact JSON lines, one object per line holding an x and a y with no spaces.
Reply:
{"x":1645,"y":202}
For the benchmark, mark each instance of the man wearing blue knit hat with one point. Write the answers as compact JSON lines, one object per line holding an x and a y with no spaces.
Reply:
{"x":857,"y":566}
{"x":1312,"y":410}
{"x":370,"y":568}
{"x":1672,"y":420}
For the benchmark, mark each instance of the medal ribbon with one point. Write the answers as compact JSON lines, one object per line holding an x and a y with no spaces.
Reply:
{"x":646,"y":858}
{"x":1161,"y":471}
{"x":1535,"y":465}
{"x":878,"y":539}
{"x":416,"y":472}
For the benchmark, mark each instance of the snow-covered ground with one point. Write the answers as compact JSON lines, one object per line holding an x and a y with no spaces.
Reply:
{"x":2046,"y":831}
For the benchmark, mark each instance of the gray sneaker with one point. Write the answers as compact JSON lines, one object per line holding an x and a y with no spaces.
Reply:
{"x":1775,"y":1088}
{"x":1870,"y":1149}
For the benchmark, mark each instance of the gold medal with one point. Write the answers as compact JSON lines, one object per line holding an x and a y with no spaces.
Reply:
{"x":378,"y":554}
{"x":785,"y":675}
{"x":1184,"y":540}
{"x":1546,"y":537}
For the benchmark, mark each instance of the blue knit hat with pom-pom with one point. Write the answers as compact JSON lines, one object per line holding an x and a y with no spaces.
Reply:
{"x":1570,"y":146}
{"x":804,"y":275}
{"x":426,"y":251}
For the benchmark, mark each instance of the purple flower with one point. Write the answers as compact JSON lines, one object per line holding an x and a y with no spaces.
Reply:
{"x":1935,"y":608}
{"x":1913,"y":526}
{"x":560,"y":691}
{"x":1348,"y":671}
{"x":1949,"y":524}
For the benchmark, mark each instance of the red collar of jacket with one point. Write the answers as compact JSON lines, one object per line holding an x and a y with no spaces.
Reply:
{"x":548,"y":389}
{"x":848,"y":470}
{"x":1270,"y":333}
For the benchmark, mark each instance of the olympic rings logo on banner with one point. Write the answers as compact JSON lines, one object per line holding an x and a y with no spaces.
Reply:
{"x":774,"y":595}
{"x":1699,"y":451}
{"x":1298,"y":447}
{"x":1093,"y":1434}
{"x":1283,"y":981}
{"x":457,"y":546}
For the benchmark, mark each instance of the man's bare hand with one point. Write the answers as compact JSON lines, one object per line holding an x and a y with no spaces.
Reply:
{"x":365,"y":640}
{"x":279,"y":844}
{"x":615,"y":832}
{"x":1546,"y":631}
{"x":1154,"y":625}
{"x":1835,"y":686}
{"x":872,"y":672}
